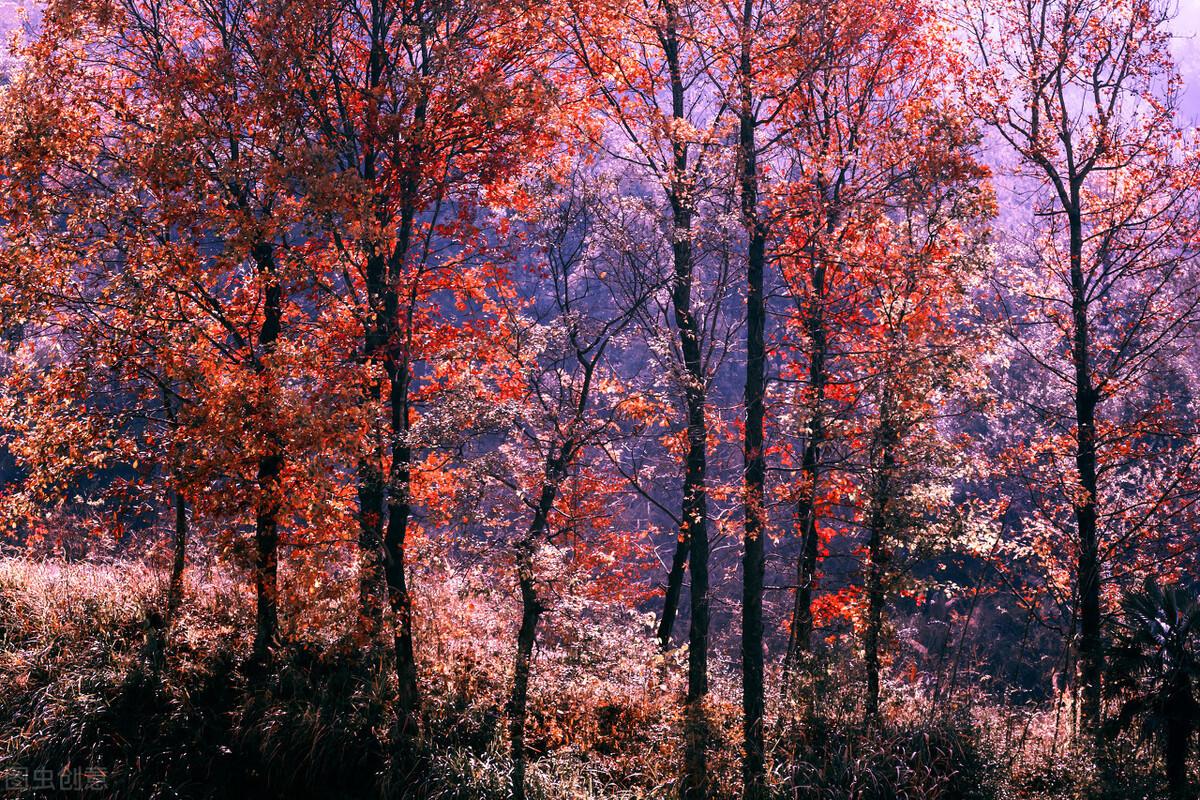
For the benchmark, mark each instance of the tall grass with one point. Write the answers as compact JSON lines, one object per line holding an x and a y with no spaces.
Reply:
{"x":88,"y":685}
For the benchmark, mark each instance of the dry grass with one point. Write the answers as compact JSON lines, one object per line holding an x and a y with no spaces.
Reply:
{"x":82,"y":688}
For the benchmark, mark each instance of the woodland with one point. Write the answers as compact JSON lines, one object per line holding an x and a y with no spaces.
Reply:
{"x":599,"y":400}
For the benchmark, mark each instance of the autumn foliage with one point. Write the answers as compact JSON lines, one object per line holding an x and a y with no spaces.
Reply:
{"x":571,"y":398}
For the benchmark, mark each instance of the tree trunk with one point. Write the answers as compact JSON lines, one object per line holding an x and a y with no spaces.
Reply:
{"x":753,"y":540}
{"x":179,"y":563}
{"x":800,"y":635}
{"x":1091,"y":655}
{"x":531,"y":613}
{"x":377,"y":332}
{"x":408,"y":695}
{"x":371,"y":580}
{"x":878,"y":556}
{"x":694,"y":529}
{"x":270,"y":465}
{"x":695,"y":783}
{"x":1177,"y":747}
{"x":666,"y":623}
{"x":871,"y":636}
{"x":371,"y":489}
{"x":179,"y":545}
{"x":695,"y":509}
{"x":398,"y":363}
{"x":266,"y":565}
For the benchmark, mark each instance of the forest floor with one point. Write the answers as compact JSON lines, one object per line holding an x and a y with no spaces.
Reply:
{"x":92,"y":704}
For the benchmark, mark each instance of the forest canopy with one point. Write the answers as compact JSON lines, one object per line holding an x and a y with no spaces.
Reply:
{"x":599,"y":398}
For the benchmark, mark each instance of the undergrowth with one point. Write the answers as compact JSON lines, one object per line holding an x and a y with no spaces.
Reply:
{"x":91,"y":692}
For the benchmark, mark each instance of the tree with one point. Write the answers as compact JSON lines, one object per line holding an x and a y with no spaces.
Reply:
{"x":1153,"y":670}
{"x":148,"y":233}
{"x":883,"y":201}
{"x":571,"y":404}
{"x":421,"y":112}
{"x":1084,"y":93}
{"x":765,"y":53}
{"x":847,"y":156}
{"x":918,"y":369}
{"x":647,"y":66}
{"x":754,"y":491}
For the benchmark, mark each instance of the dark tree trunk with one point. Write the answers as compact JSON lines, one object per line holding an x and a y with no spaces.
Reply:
{"x":270,"y":465}
{"x":874,"y":622}
{"x":1091,"y":654}
{"x":878,"y":557}
{"x":1177,"y":747}
{"x":666,"y":623}
{"x":695,"y":509}
{"x":693,"y":535}
{"x":531,"y":614}
{"x":384,"y":508}
{"x":753,"y":540}
{"x":800,"y":637}
{"x":377,"y":331}
{"x":531,"y":605}
{"x":266,"y":565}
{"x":399,"y":480}
{"x":370,"y":544}
{"x":179,"y":545}
{"x":179,"y":561}
{"x":398,"y":595}
{"x":754,"y":552}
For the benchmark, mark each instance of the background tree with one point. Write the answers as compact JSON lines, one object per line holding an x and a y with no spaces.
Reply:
{"x":845,"y":159}
{"x":572,"y":400}
{"x":1084,"y":93}
{"x":1153,"y":670}
{"x":647,"y":67}
{"x":917,"y":372}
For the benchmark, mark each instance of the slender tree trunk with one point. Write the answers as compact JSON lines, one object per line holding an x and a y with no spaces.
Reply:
{"x":384,"y":501}
{"x":266,"y":565}
{"x":695,"y":510}
{"x":1177,"y":748}
{"x":377,"y":332}
{"x":179,"y":562}
{"x":1091,"y":655}
{"x":398,"y":363}
{"x":371,"y":483}
{"x":666,"y":623}
{"x":754,"y":554}
{"x":874,"y":622}
{"x":398,"y":594}
{"x":384,"y":507}
{"x":531,"y":614}
{"x":800,"y":635}
{"x":695,"y":783}
{"x":754,"y":536}
{"x":694,"y":529}
{"x":877,"y":559}
{"x":270,"y":466}
{"x":370,"y":543}
{"x":179,"y":545}
{"x":271,"y":459}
